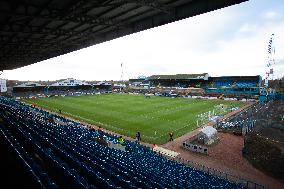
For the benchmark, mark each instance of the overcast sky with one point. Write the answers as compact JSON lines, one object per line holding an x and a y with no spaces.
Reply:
{"x":229,"y":41}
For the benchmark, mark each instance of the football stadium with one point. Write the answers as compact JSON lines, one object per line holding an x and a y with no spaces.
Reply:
{"x":169,"y":131}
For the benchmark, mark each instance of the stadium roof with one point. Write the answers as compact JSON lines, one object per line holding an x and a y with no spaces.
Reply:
{"x":238,"y":77}
{"x":36,"y":30}
{"x":180,"y":76}
{"x":70,"y":82}
{"x":30,"y":84}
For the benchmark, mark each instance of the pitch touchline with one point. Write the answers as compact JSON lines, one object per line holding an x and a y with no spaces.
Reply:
{"x":107,"y":125}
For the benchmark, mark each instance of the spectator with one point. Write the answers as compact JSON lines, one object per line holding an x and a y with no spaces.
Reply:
{"x":92,"y":129}
{"x":121,"y":140}
{"x":138,"y":137}
{"x":171,"y":134}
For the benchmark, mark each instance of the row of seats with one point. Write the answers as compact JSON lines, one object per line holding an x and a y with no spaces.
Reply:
{"x":64,"y":154}
{"x":256,"y":114}
{"x":240,"y":84}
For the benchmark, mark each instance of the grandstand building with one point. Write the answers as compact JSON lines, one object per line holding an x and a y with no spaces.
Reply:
{"x":68,"y":85}
{"x":179,"y":80}
{"x":104,"y":86}
{"x":28,"y":88}
{"x":118,"y":86}
{"x":70,"y":82}
{"x":237,"y":86}
{"x":62,"y":87}
{"x":138,"y":82}
{"x":229,"y":86}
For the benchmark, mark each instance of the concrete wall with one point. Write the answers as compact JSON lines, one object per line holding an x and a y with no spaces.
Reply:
{"x":195,"y":148}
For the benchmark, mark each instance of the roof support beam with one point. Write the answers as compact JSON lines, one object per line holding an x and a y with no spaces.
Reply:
{"x":154,"y":4}
{"x":55,"y":15}
{"x":27,"y":29}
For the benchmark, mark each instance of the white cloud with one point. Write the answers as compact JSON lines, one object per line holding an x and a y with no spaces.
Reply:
{"x":270,"y":14}
{"x":247,"y":28}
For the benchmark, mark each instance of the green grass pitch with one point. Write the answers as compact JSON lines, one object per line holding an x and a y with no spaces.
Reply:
{"x":126,"y":114}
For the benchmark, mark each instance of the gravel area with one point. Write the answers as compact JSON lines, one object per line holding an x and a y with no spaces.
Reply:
{"x":227,"y":157}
